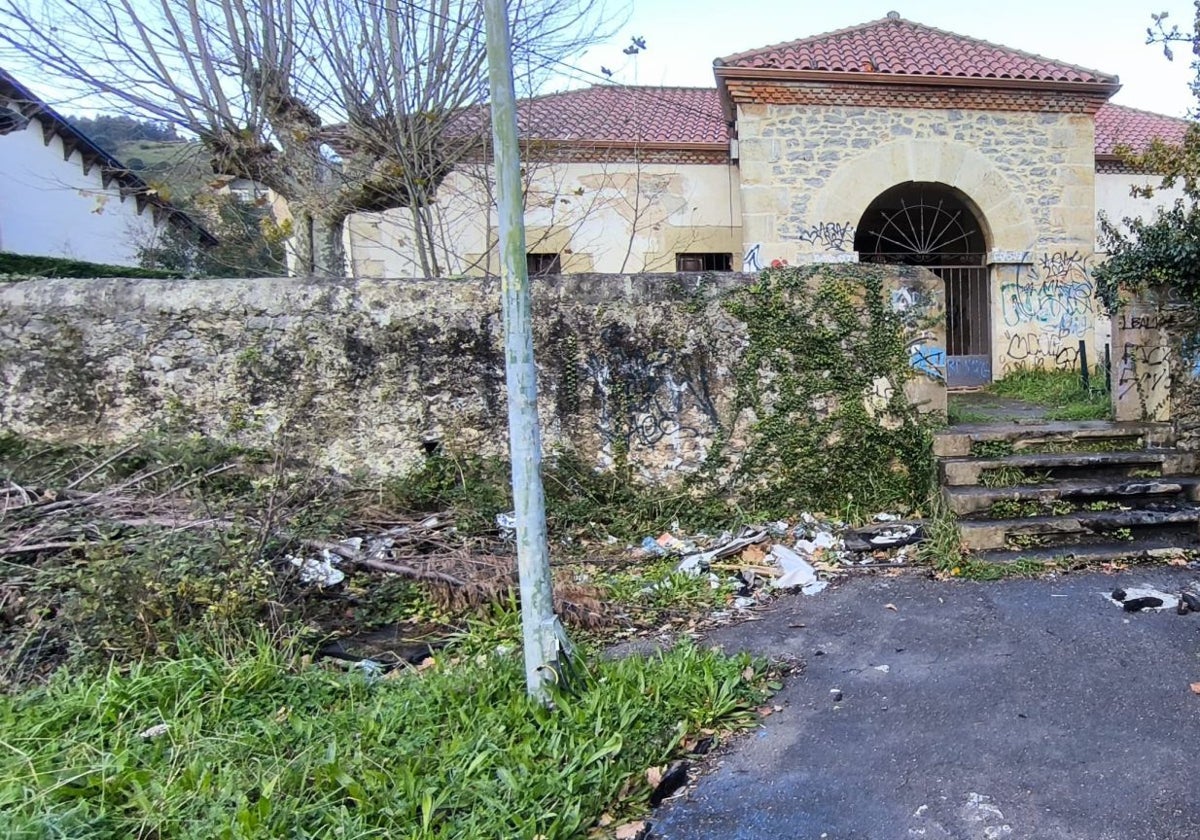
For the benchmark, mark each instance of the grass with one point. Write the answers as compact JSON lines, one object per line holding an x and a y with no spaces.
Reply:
{"x":259,"y":744}
{"x":1011,"y":477}
{"x":1060,"y":391}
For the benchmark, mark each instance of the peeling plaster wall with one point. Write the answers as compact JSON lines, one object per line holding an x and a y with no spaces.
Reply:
{"x":600,"y":216}
{"x":358,"y":374}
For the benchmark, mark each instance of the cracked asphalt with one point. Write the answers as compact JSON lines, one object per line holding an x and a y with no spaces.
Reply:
{"x":974,"y":711}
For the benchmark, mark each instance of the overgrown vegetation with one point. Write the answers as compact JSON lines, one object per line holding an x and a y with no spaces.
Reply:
{"x":253,"y":742}
{"x":819,"y":342}
{"x":21,"y":266}
{"x":1060,"y":391}
{"x":150,"y":586}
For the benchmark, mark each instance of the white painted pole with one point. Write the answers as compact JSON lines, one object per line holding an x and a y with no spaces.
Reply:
{"x":538,"y":622}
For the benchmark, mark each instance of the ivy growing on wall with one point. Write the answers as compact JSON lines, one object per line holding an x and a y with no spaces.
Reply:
{"x":823,"y":380}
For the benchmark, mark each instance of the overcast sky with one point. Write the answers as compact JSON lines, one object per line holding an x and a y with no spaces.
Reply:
{"x":684,"y":36}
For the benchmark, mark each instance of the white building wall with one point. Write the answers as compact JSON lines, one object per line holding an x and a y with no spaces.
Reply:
{"x":49,"y":208}
{"x":1114,"y":201}
{"x":604,"y":217}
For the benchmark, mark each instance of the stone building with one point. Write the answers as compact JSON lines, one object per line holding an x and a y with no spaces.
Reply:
{"x":886,"y":142}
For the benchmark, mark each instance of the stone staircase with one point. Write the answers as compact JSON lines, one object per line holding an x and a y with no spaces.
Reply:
{"x":1094,"y":490}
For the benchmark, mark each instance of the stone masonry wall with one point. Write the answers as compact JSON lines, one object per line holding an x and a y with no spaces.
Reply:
{"x":809,"y":172}
{"x":365,"y":374}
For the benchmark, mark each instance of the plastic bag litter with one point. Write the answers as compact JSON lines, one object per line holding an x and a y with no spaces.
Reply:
{"x":322,"y":571}
{"x":796,"y":571}
{"x":506,"y":523}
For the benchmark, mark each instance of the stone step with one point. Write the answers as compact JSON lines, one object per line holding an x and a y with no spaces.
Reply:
{"x":1160,"y":547}
{"x":956,"y":441}
{"x":967,"y":500}
{"x":996,"y":534}
{"x":1166,"y":462}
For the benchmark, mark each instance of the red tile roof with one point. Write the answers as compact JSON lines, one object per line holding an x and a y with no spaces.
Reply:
{"x":615,"y":115}
{"x":618,"y":115}
{"x":897,"y":46}
{"x":1117,"y":125}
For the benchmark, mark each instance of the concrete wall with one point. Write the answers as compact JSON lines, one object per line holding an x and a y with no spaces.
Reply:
{"x":50,"y":208}
{"x":360,"y":374}
{"x":810,"y":172}
{"x":599,"y":216}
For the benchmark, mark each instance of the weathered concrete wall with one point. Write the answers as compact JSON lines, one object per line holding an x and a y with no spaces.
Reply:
{"x":1156,"y":363}
{"x":809,"y":173}
{"x":361,"y":374}
{"x":601,"y":216}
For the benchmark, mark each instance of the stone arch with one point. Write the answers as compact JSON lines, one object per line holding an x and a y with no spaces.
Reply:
{"x":858,"y":181}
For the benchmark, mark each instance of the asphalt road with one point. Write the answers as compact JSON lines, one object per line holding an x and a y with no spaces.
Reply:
{"x":1020,"y":710}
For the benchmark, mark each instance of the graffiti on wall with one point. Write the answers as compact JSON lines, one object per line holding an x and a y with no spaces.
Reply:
{"x":1144,"y":374}
{"x":645,"y":399}
{"x":832,"y":236}
{"x":1048,"y":306}
{"x":752,"y":261}
{"x":911,"y":304}
{"x":926,"y":357}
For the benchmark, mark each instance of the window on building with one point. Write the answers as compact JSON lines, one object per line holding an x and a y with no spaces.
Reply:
{"x":704,"y":262}
{"x":539,"y":265}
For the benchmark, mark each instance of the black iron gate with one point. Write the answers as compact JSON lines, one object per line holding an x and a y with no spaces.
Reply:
{"x":968,"y":325}
{"x":931,"y":225}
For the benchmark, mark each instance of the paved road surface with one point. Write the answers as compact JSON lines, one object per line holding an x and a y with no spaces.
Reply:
{"x":1020,"y":710}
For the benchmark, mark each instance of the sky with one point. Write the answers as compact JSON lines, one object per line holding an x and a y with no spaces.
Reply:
{"x":684,"y":36}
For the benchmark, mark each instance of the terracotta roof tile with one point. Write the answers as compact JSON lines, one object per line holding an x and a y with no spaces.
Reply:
{"x":617,"y":114}
{"x":1117,"y":125}
{"x":620,"y":114}
{"x":903,"y":47}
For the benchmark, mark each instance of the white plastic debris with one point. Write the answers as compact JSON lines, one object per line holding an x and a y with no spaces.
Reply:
{"x":507,"y":524}
{"x":796,"y":571}
{"x":370,"y":667}
{"x":156,"y":731}
{"x":887,"y":517}
{"x":322,"y":571}
{"x":821,"y":541}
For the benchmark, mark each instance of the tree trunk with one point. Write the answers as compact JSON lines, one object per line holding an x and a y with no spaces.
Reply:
{"x":302,"y":245}
{"x":328,"y":247}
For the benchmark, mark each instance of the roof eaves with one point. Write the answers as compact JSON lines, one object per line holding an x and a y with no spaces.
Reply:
{"x":922,"y":80}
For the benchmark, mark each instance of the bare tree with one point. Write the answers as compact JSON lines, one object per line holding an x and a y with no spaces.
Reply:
{"x":336,"y":105}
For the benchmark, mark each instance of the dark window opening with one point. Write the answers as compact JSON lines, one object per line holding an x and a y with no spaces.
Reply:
{"x":704,"y":262}
{"x":539,"y":265}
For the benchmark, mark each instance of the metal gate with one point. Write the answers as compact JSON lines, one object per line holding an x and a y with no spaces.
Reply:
{"x":930,"y":225}
{"x":968,"y":325}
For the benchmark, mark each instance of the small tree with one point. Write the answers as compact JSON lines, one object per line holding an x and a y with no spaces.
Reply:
{"x":249,"y":243}
{"x":1164,"y":250}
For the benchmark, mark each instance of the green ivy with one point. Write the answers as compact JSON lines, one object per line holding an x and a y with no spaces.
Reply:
{"x":820,"y":339}
{"x":1164,"y":251}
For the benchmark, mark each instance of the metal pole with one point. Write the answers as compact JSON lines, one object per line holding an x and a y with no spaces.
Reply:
{"x":1084,"y":373}
{"x":1107,"y":369}
{"x":539,"y":626}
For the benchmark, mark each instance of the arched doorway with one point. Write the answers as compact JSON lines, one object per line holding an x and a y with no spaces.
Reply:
{"x":932,"y":225}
